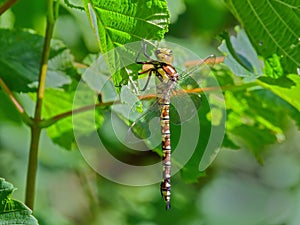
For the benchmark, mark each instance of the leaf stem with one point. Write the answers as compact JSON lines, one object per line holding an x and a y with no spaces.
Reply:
{"x":35,"y":127}
{"x":16,"y":103}
{"x":54,"y":119}
{"x":6,"y":5}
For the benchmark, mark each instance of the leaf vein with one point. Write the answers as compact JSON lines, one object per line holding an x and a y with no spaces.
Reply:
{"x":268,"y":32}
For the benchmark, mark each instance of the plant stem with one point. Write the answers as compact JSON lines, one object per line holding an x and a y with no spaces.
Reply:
{"x":26,"y":119}
{"x":36,"y":128}
{"x":32,"y":166}
{"x":6,"y":5}
{"x":54,"y":119}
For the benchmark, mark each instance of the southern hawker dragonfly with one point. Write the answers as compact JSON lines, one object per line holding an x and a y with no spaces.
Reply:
{"x":180,"y":87}
{"x":167,"y":84}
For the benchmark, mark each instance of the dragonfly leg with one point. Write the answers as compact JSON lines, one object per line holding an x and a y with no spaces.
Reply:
{"x":145,"y":52}
{"x":144,"y":48}
{"x":148,"y":79}
{"x":150,"y":71}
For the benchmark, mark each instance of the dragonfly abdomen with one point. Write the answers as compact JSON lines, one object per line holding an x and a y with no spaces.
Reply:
{"x":167,"y":78}
{"x":165,"y":186}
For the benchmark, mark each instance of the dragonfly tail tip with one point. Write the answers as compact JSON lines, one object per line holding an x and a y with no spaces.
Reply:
{"x":168,"y":206}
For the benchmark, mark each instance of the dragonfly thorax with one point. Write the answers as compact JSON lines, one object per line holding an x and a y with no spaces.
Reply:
{"x":168,"y":72}
{"x":164,"y":55}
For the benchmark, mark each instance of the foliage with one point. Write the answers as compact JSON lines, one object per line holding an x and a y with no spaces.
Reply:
{"x":20,"y":71}
{"x":273,"y":27}
{"x":131,"y":16}
{"x":258,"y":78}
{"x":135,"y":21}
{"x":13,"y":211}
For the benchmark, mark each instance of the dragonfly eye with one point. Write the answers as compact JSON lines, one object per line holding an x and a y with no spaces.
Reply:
{"x":164,"y":55}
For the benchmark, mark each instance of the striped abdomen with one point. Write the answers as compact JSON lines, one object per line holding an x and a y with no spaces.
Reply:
{"x":165,"y":186}
{"x":169,"y":77}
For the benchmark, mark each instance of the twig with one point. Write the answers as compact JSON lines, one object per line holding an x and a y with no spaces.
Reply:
{"x":6,"y":5}
{"x":16,"y":103}
{"x":54,"y":119}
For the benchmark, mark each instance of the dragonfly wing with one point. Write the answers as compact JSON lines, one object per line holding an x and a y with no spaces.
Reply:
{"x":146,"y":128}
{"x":184,"y":106}
{"x":198,"y":69}
{"x":187,"y":100}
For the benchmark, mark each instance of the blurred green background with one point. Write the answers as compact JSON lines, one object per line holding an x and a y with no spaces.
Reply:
{"x":236,"y":191}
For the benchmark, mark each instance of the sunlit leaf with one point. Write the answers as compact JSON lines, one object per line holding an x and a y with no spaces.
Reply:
{"x":119,"y":22}
{"x":289,"y":93}
{"x":273,"y":27}
{"x":258,"y":118}
{"x":272,"y":67}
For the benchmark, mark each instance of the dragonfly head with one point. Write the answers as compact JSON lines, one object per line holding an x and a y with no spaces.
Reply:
{"x":164,"y":55}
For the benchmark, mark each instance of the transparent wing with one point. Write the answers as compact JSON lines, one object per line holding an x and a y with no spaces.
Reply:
{"x":146,"y":128}
{"x":198,"y":70}
{"x":143,"y":117}
{"x":184,"y":106}
{"x":187,"y":98}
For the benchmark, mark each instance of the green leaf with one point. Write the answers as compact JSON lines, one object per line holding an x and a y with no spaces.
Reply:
{"x":273,"y":27}
{"x":278,"y":109}
{"x":57,"y":102}
{"x":257,"y":118}
{"x":254,"y":138}
{"x":241,"y":58}
{"x":273,"y":67}
{"x":9,"y":112}
{"x":117,"y":23}
{"x":20,"y":59}
{"x":97,"y":78}
{"x":61,"y":69}
{"x":228,"y":143}
{"x":13,"y":211}
{"x":289,"y":93}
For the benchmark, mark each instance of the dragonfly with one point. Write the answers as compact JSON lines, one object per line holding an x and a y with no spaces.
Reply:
{"x":166,"y":84}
